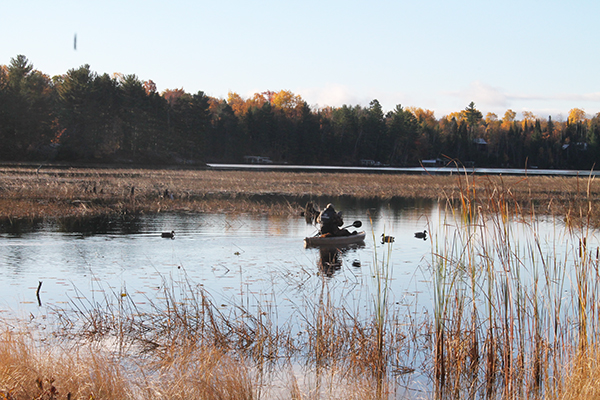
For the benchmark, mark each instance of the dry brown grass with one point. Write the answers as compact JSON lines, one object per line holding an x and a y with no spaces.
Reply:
{"x":582,"y":380}
{"x":29,"y":371}
{"x":199,"y":373}
{"x":499,"y":304}
{"x":189,"y":350}
{"x":83,"y":192}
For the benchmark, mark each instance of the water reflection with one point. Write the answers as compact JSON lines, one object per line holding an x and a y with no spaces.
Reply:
{"x":229,"y":253}
{"x":365,"y":209}
{"x":256,"y":254}
{"x":16,"y":228}
{"x":331,"y":258}
{"x":100,"y":225}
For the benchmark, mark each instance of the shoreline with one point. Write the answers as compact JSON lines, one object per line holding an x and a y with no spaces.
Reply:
{"x":39,"y":193}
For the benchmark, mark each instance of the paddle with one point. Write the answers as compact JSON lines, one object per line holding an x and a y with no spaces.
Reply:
{"x":356,"y":224}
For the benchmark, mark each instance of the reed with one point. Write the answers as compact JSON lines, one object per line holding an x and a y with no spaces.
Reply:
{"x":501,"y":325}
{"x":338,"y":345}
{"x":28,"y":371}
{"x":382,"y":275}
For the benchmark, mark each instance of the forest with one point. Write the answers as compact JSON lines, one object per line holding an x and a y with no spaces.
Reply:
{"x":83,"y":116}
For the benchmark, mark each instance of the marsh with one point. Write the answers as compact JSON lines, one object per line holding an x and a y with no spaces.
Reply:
{"x":415,"y":315}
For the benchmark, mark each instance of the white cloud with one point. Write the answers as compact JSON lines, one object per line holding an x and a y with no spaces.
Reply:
{"x":337,"y":95}
{"x":581,"y":97}
{"x":487,"y":98}
{"x":494,"y":99}
{"x":333,"y":95}
{"x":483,"y":95}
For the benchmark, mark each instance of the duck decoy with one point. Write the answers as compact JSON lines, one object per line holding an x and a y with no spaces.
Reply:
{"x":387,"y":239}
{"x":421,"y":235}
{"x":169,"y":235}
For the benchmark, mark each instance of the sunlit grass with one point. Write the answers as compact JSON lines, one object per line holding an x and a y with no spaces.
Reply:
{"x":52,"y":192}
{"x":514,"y":314}
{"x":31,"y":371}
{"x":511,"y":309}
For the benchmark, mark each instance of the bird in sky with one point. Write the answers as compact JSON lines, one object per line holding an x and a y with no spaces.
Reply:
{"x":75,"y":42}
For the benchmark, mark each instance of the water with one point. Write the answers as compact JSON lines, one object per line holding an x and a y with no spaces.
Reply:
{"x":415,"y":170}
{"x":244,"y":260}
{"x":232,"y":256}
{"x":260,"y":261}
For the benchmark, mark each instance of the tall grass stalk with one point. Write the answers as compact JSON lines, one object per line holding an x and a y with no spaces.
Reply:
{"x":182,"y":335}
{"x":382,"y":274}
{"x":515,"y":315}
{"x":501,"y":325}
{"x":28,"y":371}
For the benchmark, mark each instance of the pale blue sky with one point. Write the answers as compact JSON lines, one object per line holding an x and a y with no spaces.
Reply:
{"x":539,"y":56}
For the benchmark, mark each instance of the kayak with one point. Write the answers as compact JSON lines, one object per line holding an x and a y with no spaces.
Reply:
{"x":316,"y":241}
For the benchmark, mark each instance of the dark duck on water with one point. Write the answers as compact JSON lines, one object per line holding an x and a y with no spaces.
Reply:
{"x":421,"y":235}
{"x":386,"y":239}
{"x":170,"y":235}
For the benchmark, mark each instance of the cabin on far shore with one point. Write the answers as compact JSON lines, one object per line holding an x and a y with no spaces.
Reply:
{"x":257,"y":160}
{"x":370,"y":163}
{"x":436,"y":162}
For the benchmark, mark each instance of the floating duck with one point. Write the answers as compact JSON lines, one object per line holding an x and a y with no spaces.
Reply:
{"x":169,"y":235}
{"x":421,"y":235}
{"x":387,"y":239}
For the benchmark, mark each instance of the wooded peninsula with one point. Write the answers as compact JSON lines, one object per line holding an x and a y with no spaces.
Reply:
{"x":90,"y":117}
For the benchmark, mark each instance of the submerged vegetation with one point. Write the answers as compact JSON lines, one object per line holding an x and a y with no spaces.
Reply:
{"x":510,"y":318}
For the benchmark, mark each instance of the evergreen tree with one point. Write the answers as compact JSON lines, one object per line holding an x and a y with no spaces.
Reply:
{"x":25,"y":109}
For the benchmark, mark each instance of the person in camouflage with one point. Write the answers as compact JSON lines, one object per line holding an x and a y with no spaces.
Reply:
{"x":330,"y":222}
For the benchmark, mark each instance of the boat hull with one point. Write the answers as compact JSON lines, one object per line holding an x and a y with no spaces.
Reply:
{"x":333,"y":241}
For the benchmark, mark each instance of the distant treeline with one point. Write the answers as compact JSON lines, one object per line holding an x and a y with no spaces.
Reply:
{"x":84,"y":116}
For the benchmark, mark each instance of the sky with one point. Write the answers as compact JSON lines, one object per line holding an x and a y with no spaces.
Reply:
{"x":524,"y":55}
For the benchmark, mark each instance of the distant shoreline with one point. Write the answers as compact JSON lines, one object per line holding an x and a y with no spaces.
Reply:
{"x":444,"y":170}
{"x":449,"y":170}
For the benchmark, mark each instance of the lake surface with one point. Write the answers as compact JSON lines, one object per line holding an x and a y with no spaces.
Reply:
{"x":234,"y":257}
{"x":239,"y":259}
{"x":259,"y":262}
{"x":448,"y":170}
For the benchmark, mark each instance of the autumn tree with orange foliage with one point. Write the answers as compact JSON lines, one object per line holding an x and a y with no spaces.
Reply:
{"x":173,"y":95}
{"x":82,"y":115}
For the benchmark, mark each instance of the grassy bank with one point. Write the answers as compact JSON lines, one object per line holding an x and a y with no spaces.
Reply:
{"x":513,"y":316}
{"x":47,"y":192}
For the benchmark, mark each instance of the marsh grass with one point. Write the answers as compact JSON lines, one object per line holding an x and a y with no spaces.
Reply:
{"x":338,"y":348}
{"x":382,"y":275}
{"x":51,"y":192}
{"x":514,"y":314}
{"x":86,"y":371}
{"x":503,"y":327}
{"x":30,"y":371}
